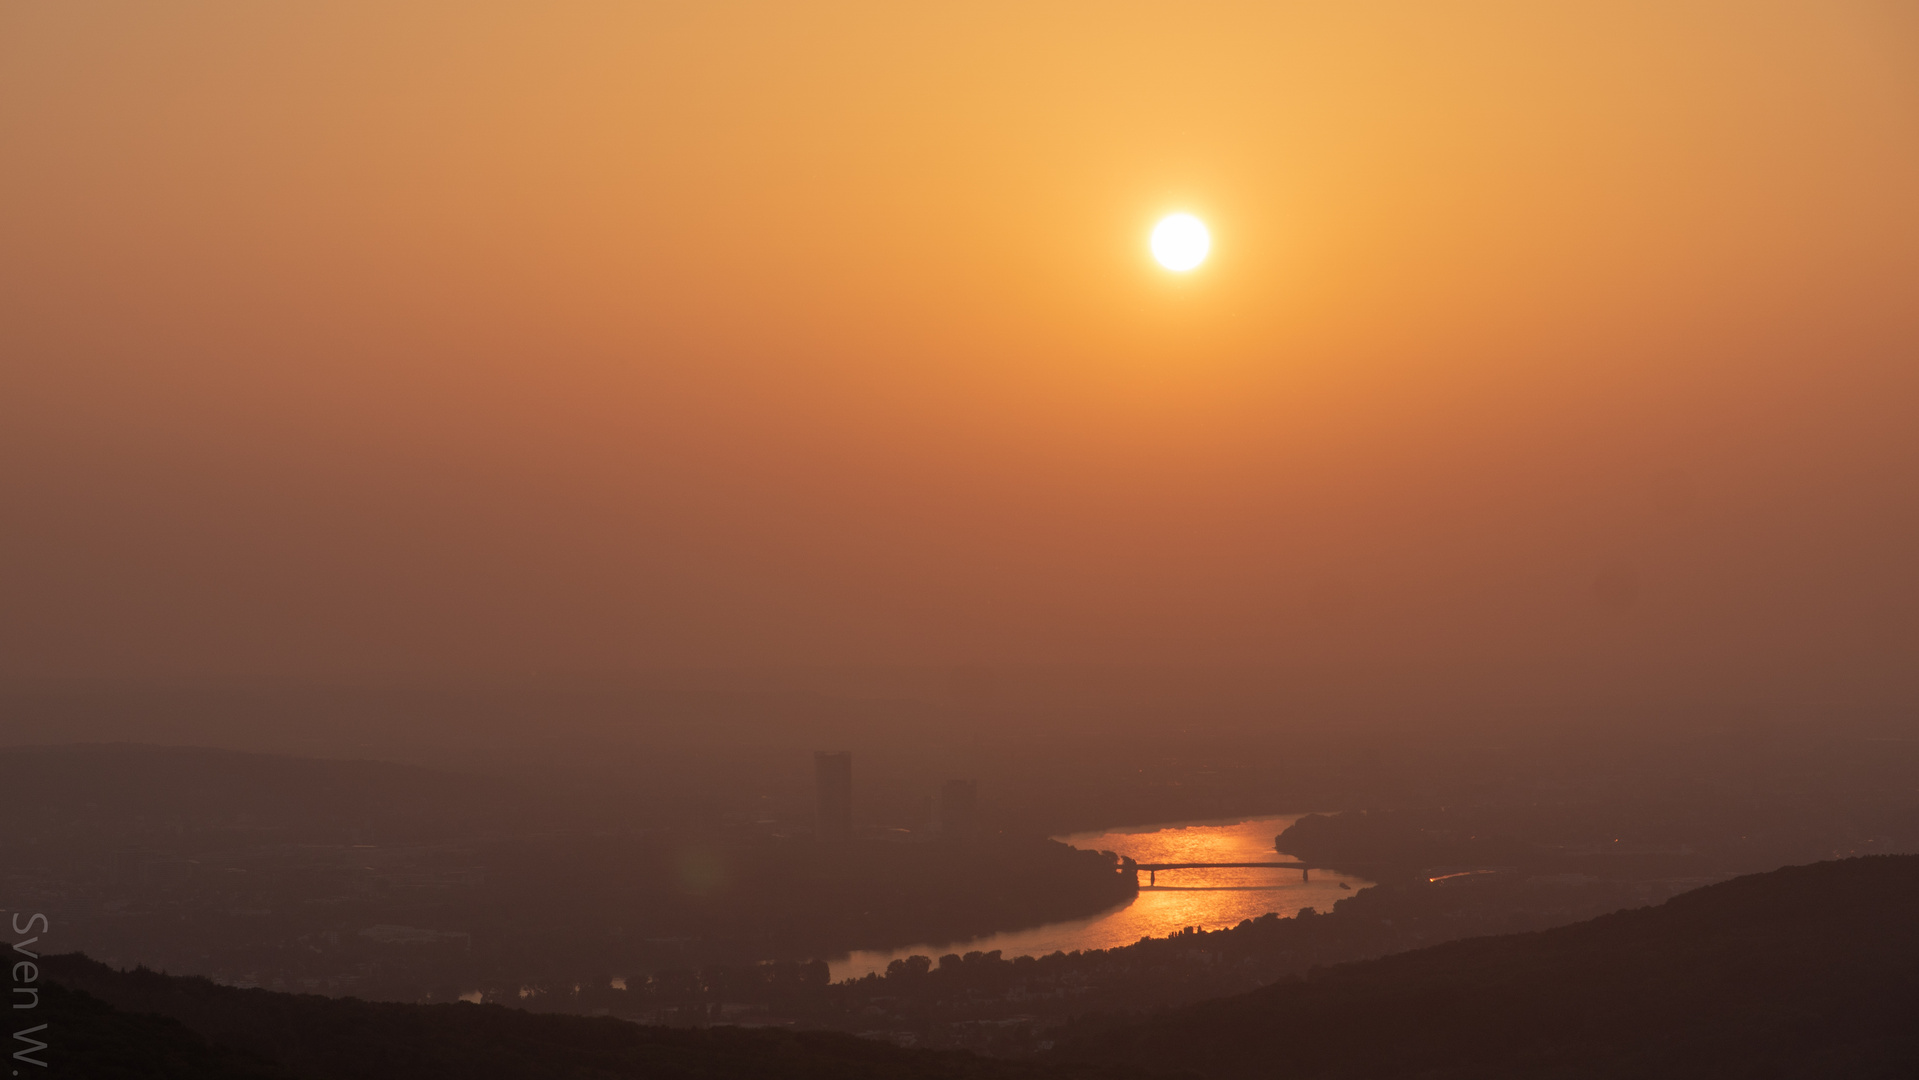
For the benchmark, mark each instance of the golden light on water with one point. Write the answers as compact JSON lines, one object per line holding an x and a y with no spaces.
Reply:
{"x":1208,"y":898}
{"x":1181,"y":242}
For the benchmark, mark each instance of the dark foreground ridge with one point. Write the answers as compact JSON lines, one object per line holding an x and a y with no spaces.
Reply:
{"x":105,"y":1024}
{"x":1810,"y":971}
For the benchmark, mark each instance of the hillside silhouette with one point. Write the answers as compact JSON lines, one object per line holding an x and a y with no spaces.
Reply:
{"x":105,"y":1024}
{"x":1809,"y":971}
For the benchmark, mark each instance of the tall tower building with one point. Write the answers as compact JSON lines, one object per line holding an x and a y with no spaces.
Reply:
{"x":959,"y":809}
{"x":833,"y":770}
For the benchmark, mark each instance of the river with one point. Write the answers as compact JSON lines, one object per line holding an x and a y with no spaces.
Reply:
{"x":1206,"y":898}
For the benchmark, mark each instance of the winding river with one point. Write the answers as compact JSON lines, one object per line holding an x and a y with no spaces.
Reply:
{"x":1204,"y":898}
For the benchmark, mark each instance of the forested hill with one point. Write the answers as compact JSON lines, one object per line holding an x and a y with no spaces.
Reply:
{"x":105,"y":1024}
{"x":1809,"y":971}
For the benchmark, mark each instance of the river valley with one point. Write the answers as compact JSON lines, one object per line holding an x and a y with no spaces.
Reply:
{"x":1207,"y":898}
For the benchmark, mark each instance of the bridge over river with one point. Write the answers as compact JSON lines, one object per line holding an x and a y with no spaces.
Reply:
{"x":1153,"y":869}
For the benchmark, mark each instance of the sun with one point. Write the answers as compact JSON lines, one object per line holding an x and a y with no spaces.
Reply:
{"x":1180,"y":242}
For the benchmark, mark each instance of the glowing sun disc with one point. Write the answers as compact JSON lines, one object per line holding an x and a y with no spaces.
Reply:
{"x":1181,"y":242}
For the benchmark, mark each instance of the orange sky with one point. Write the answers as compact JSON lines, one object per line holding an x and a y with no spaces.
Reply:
{"x":1573,"y":343}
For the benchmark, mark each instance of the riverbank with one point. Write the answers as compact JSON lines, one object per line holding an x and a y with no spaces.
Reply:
{"x":1206,"y":898}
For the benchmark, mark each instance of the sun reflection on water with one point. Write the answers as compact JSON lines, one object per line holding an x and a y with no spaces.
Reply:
{"x":1204,"y":898}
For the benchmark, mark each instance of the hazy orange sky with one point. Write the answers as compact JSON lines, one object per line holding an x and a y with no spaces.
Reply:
{"x":1571,"y":343}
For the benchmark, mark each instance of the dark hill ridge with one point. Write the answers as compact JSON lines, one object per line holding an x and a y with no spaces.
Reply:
{"x":1809,"y":971}
{"x":85,"y":1037}
{"x":107,"y":1023}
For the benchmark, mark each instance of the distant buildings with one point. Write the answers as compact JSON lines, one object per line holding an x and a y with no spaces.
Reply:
{"x":954,"y":817}
{"x":833,"y":771}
